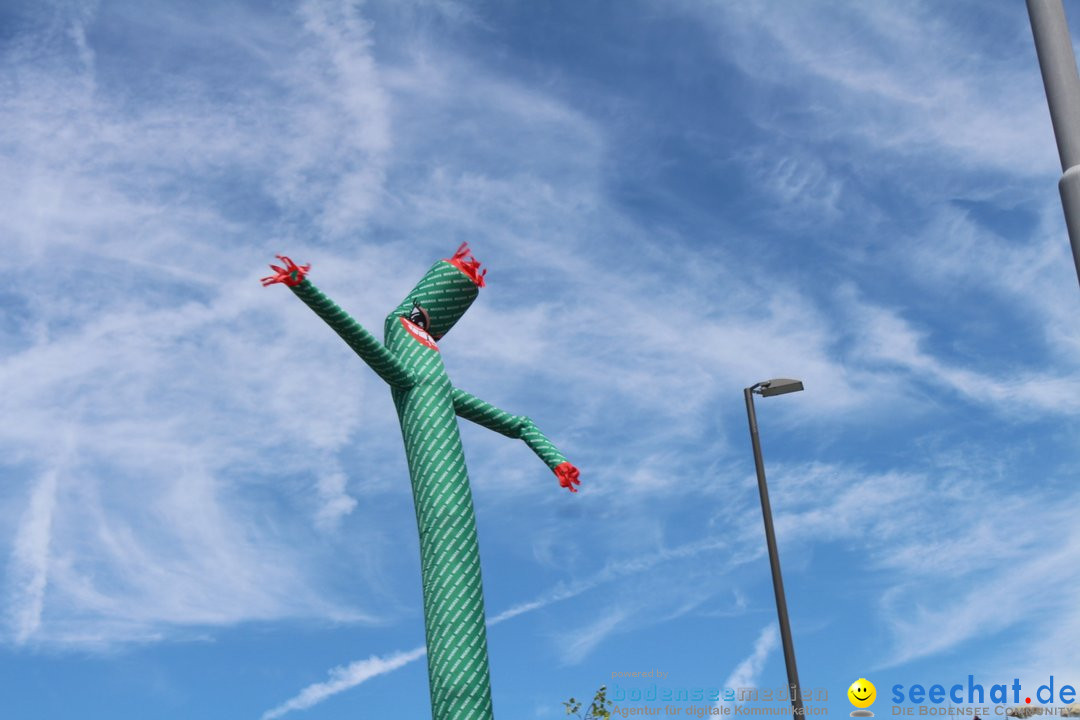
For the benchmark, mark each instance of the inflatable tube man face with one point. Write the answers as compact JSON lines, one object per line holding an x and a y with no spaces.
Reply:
{"x":436,"y":303}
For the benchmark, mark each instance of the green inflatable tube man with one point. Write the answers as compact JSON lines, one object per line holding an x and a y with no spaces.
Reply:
{"x":427,"y":402}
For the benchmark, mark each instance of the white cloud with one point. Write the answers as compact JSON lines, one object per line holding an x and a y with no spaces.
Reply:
{"x":579,"y":642}
{"x":746,"y":673}
{"x":576,"y":645}
{"x":951,"y":530}
{"x":955,"y":255}
{"x":345,"y":677}
{"x":141,"y":327}
{"x":197,"y":392}
{"x":335,"y":502}
{"x":903,"y":80}
{"x":887,"y":338}
{"x":339,"y":120}
{"x":29,"y":573}
{"x":883,"y":517}
{"x":997,"y":581}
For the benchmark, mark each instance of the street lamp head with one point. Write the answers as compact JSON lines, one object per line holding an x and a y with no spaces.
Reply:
{"x":779,"y":386}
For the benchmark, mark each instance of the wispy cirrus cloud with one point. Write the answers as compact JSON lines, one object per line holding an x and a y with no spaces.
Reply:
{"x":233,"y":462}
{"x":580,"y":641}
{"x":132,"y":323}
{"x":345,"y":677}
{"x":890,"y":339}
{"x":896,"y":78}
{"x":746,"y":673}
{"x":975,"y":544}
{"x":29,"y":573}
{"x":575,"y":645}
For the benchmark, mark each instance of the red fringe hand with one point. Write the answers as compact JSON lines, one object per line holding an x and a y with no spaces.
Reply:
{"x":568,"y":476}
{"x":292,"y":274}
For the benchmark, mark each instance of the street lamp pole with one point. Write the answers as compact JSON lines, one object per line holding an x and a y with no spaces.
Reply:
{"x":768,"y":388}
{"x":1058,"y":65}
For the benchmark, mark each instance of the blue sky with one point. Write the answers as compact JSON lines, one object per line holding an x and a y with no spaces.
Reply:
{"x":204,"y":504}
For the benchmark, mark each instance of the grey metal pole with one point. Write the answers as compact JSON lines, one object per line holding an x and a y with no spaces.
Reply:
{"x":1058,"y":65}
{"x":774,"y":563}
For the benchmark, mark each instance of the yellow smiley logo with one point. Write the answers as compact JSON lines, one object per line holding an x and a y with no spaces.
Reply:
{"x":862,"y":693}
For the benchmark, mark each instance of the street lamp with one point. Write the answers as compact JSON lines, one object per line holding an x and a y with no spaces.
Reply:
{"x":768,"y":388}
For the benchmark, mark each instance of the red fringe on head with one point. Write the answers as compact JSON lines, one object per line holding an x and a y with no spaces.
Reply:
{"x":467,"y":264}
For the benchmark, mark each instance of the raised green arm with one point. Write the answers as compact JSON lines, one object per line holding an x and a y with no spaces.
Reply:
{"x":366,"y":345}
{"x":519,"y":427}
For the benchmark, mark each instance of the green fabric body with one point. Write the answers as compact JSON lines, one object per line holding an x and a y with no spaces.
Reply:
{"x":427,"y":402}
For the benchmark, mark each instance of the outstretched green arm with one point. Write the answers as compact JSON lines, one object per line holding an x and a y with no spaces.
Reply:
{"x":366,"y":345}
{"x":519,"y":427}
